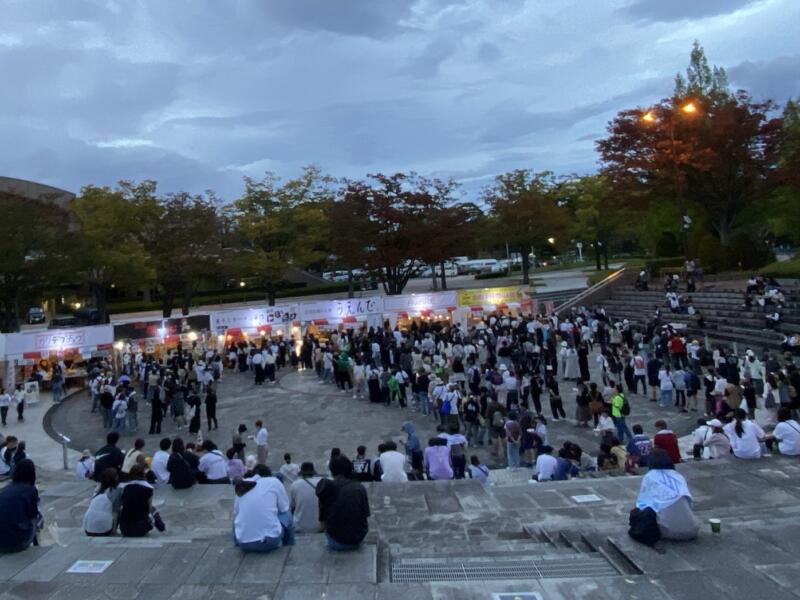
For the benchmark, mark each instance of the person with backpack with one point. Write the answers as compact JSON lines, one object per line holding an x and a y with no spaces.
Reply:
{"x":619,"y":410}
{"x":664,"y":505}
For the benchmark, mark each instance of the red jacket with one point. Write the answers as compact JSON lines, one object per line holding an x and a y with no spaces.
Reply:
{"x":668,"y":442}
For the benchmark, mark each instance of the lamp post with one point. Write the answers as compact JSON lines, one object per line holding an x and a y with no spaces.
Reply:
{"x":649,"y":118}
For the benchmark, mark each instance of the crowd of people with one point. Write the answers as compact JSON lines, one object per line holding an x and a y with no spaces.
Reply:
{"x":483,"y":388}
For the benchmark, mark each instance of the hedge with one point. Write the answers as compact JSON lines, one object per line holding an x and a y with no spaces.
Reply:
{"x":786,"y":269}
{"x":230,"y":297}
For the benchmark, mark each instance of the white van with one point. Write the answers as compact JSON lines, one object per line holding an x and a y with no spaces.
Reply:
{"x":479,"y":265}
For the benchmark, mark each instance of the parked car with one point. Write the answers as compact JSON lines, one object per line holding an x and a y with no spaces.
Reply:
{"x":63,"y":321}
{"x":35,"y":315}
{"x":479,"y":265}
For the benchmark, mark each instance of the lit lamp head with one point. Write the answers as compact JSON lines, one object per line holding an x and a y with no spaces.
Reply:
{"x":649,"y":117}
{"x":689,"y":108}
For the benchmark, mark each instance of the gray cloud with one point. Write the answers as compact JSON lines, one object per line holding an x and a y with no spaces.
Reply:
{"x":198,"y":93}
{"x":777,"y":79}
{"x":679,"y":10}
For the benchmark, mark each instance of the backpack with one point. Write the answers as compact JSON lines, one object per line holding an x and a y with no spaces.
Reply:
{"x":625,"y":409}
{"x":497,"y":419}
{"x":133,"y":405}
{"x":497,"y":379}
{"x":644,"y":526}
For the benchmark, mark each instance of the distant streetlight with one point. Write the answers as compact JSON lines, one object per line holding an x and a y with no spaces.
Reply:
{"x":241,"y":284}
{"x":551,"y":240}
{"x":689,"y":109}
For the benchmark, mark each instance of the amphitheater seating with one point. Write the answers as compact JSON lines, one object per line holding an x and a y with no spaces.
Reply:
{"x":726,"y":321}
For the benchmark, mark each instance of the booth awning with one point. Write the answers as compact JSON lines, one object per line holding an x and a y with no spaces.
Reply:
{"x":402,"y":314}
{"x":233,"y":331}
{"x":349,"y":319}
{"x":320,"y":321}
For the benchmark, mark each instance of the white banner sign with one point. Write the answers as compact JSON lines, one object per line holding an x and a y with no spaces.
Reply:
{"x":253,"y":318}
{"x":414,"y":303}
{"x":54,"y":340}
{"x":333,"y":310}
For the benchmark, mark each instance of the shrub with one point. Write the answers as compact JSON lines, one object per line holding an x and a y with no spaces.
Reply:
{"x":490,"y":275}
{"x":784,"y":269}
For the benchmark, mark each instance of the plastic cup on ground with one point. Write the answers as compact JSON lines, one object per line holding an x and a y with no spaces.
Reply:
{"x":716,"y":525}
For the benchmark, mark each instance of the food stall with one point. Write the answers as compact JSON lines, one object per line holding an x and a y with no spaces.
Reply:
{"x":476,"y":305}
{"x":404,"y":310}
{"x":322,"y":317}
{"x":245,"y":324}
{"x":36,"y":352}
{"x":160,"y":336}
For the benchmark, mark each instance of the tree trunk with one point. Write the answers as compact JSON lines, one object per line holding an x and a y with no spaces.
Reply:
{"x":187,"y":299}
{"x":271,"y":294}
{"x":434,"y":279}
{"x":99,"y":297}
{"x":166,"y":303}
{"x":597,"y":246}
{"x":444,"y":278}
{"x":350,"y":290}
{"x":526,"y":266}
{"x":605,"y":254}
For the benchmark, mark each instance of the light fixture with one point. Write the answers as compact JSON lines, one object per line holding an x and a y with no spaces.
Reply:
{"x":649,"y":117}
{"x":689,"y":108}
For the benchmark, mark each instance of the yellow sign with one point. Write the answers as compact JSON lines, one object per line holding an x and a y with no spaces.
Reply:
{"x":498,"y":295}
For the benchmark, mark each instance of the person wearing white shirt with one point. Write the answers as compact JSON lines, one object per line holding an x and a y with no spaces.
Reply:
{"x":261,"y":439}
{"x":262,"y":520}
{"x":159,"y":463}
{"x":666,"y":386}
{"x":393,"y":464}
{"x":745,"y":436}
{"x":545,"y":464}
{"x":5,"y":402}
{"x":213,"y":467}
{"x":787,"y":433}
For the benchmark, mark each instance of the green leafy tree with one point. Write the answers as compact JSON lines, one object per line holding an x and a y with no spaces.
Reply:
{"x":106,"y":248}
{"x":526,"y":213}
{"x":281,"y":226}
{"x":32,"y":242}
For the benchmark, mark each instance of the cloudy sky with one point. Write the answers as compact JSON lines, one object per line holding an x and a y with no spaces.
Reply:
{"x":198,"y":93}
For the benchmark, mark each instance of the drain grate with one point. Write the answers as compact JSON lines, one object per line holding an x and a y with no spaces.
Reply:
{"x":470,"y":569}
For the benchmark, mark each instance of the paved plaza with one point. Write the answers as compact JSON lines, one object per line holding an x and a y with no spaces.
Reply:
{"x":307,"y":418}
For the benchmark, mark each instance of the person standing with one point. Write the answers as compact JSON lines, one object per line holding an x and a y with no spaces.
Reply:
{"x":156,"y":412}
{"x":619,"y":410}
{"x":261,"y":439}
{"x":513,"y":438}
{"x":211,"y":407}
{"x":19,"y":400}
{"x":5,"y":402}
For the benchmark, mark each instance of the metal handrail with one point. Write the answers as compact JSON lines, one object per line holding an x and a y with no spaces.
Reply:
{"x":599,"y":285}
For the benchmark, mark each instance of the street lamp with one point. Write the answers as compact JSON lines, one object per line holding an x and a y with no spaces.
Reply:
{"x":649,"y":118}
{"x":551,"y":240}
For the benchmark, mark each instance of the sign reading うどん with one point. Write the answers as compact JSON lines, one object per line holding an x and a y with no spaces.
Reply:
{"x":56,"y":340}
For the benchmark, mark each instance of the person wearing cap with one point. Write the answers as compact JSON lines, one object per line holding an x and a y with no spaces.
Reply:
{"x":303,"y":500}
{"x":717,"y":443}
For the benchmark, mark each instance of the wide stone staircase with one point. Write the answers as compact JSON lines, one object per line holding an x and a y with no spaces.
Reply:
{"x":455,"y":539}
{"x":726,"y":321}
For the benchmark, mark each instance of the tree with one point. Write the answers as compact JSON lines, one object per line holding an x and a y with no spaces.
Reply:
{"x":706,"y":151}
{"x":281,"y":226}
{"x":106,"y":248}
{"x":526,"y":213}
{"x":32,"y":235}
{"x":599,"y":213}
{"x":351,"y":233}
{"x":398,"y":209}
{"x":183,"y":234}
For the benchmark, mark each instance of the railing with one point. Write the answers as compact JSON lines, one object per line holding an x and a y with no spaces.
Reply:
{"x":598,"y":291}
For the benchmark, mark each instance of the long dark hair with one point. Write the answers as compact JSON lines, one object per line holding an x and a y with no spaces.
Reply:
{"x":740,"y":417}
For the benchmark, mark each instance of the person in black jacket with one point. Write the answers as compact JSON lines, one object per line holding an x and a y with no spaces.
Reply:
{"x":181,"y":472}
{"x":343,"y":506}
{"x":108,"y":457}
